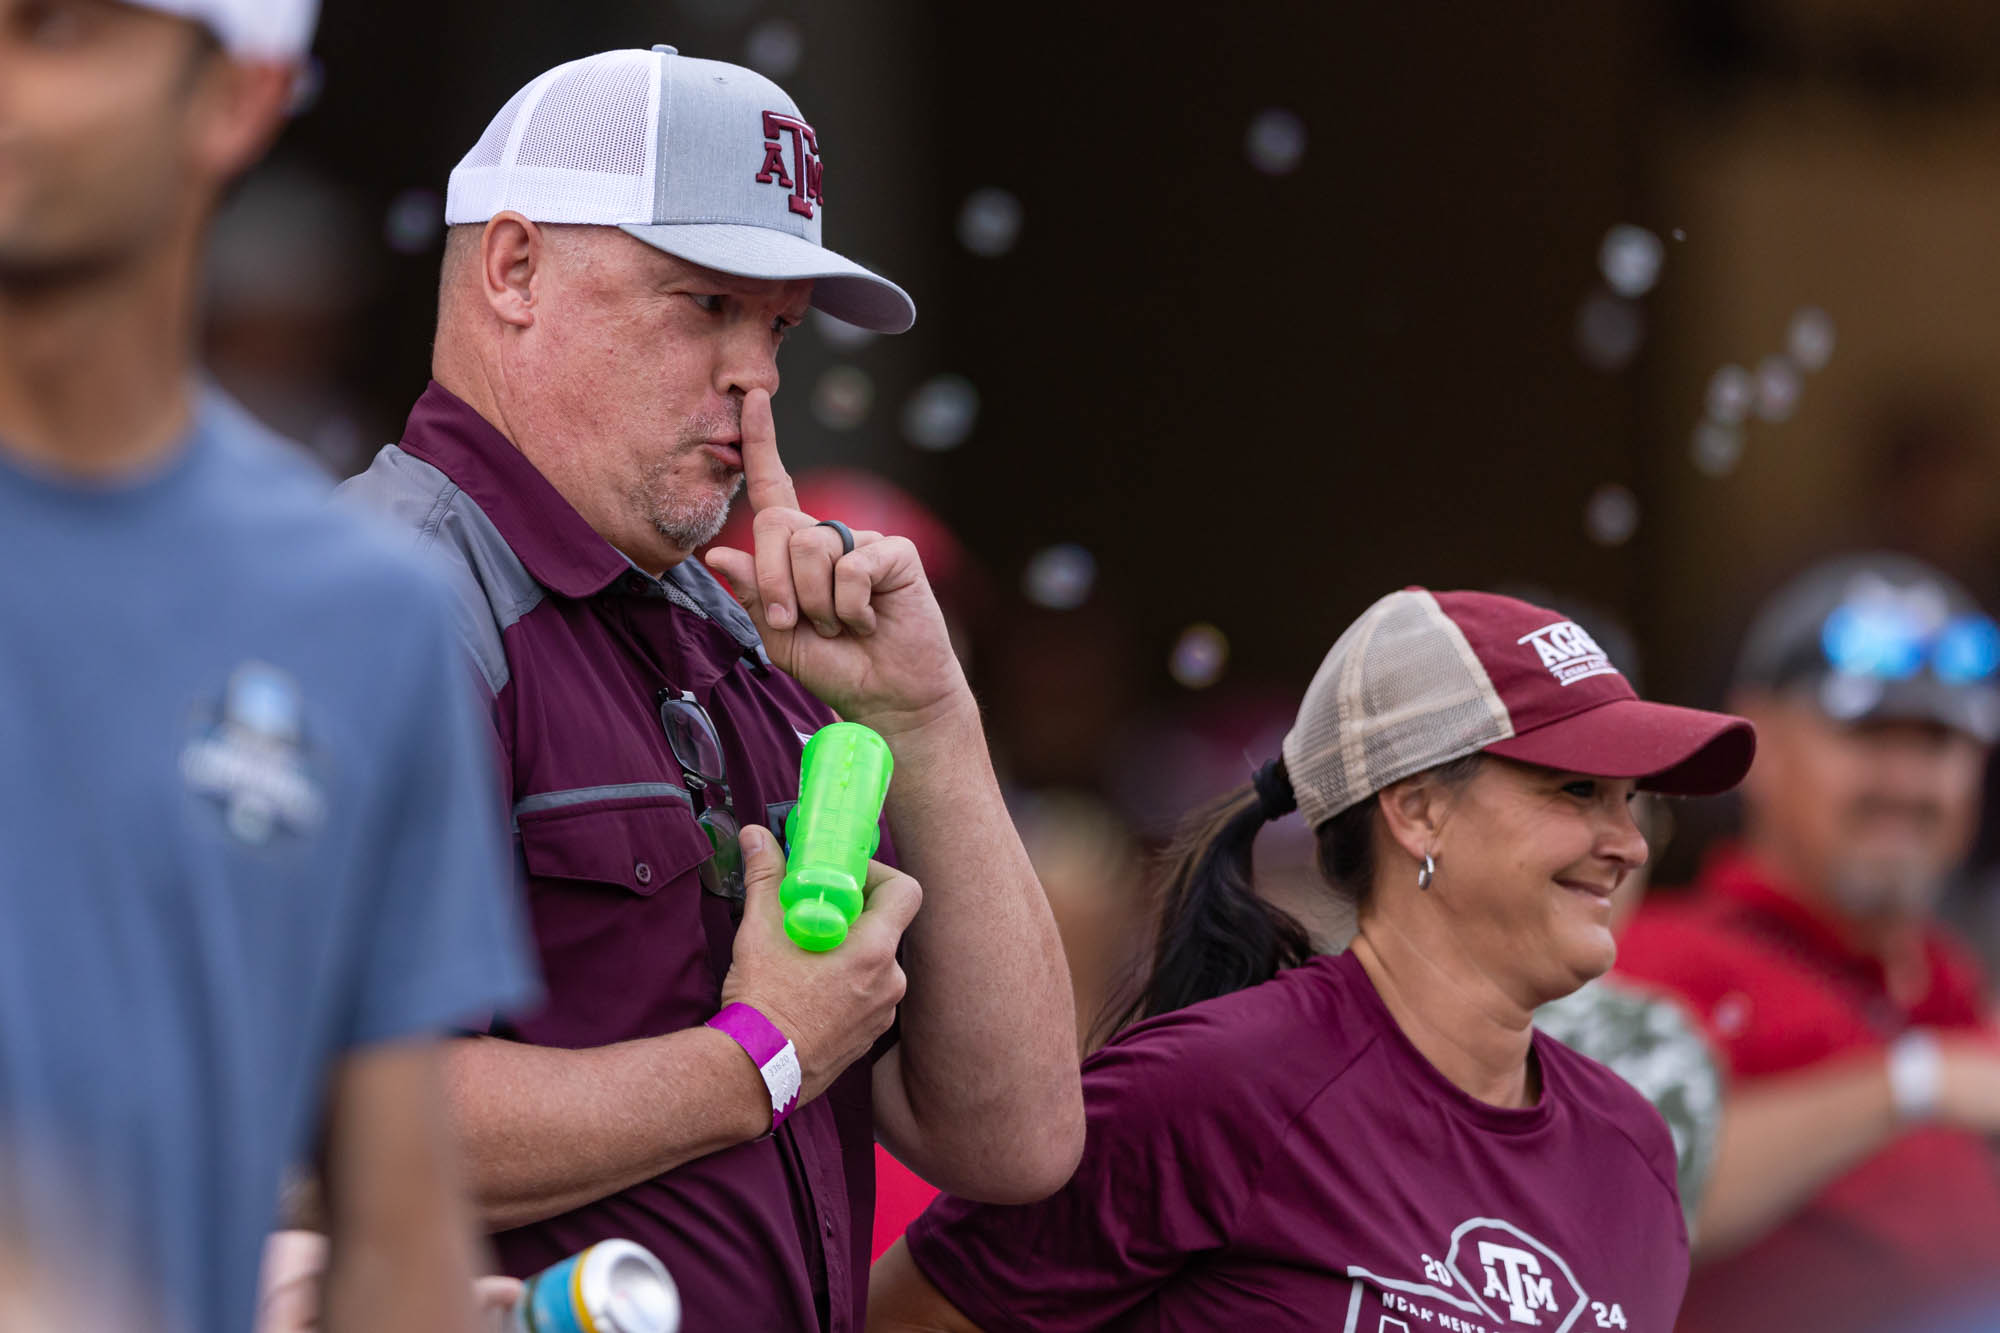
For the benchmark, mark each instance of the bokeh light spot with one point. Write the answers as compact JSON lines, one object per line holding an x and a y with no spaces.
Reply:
{"x":842,"y":398}
{"x":1609,"y":331}
{"x":1718,"y":448}
{"x":1275,"y":142}
{"x":1810,"y":338}
{"x":414,"y":222}
{"x":1778,"y":388}
{"x":774,"y":48}
{"x":1199,"y":657}
{"x":1611,"y":515}
{"x":1630,"y":259}
{"x":1060,"y":577}
{"x":1731,"y":391}
{"x":941,"y":413}
{"x":989,"y":222}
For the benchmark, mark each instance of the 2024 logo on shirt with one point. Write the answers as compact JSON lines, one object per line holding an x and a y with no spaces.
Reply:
{"x":1507,"y":1276}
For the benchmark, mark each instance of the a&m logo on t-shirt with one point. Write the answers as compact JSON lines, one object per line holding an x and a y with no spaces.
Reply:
{"x":1569,"y":652}
{"x":1515,"y":1278}
{"x":782,"y":132}
{"x":1496,"y":1276}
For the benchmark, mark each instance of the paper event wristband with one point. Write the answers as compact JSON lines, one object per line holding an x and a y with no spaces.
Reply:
{"x":770,"y":1050}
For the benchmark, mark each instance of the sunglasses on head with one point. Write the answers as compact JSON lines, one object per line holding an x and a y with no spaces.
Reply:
{"x":1885,"y":642}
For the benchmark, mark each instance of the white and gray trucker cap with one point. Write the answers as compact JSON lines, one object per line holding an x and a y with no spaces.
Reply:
{"x":707,"y":161}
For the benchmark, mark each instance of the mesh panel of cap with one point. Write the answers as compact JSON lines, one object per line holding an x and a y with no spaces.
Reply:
{"x":1400,"y":692}
{"x":573,"y":146}
{"x":492,"y":145}
{"x":593,"y":118}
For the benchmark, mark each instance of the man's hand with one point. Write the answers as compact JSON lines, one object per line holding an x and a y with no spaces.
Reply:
{"x":862,"y":630}
{"x":834,"y":1006}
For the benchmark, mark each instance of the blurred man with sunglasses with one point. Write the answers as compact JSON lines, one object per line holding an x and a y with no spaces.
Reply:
{"x":631,"y":240}
{"x":1855,"y":1183}
{"x":231,"y":828}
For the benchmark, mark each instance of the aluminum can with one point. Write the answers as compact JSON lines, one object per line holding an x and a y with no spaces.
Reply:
{"x":615,"y":1286}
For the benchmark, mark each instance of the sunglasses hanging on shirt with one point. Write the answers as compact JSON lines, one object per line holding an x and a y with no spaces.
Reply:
{"x":697,"y":749}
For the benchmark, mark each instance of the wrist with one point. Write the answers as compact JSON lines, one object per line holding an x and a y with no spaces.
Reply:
{"x":1916,"y":1076}
{"x":945,"y":721}
{"x":771,"y":1052}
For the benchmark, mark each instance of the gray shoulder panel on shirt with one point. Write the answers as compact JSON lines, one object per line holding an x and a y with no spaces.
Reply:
{"x":492,"y":589}
{"x":706,"y":591}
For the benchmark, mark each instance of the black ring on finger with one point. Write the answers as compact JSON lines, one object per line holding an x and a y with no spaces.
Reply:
{"x":846,"y":534}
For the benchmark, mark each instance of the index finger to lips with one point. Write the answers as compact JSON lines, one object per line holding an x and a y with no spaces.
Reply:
{"x":765,"y":480}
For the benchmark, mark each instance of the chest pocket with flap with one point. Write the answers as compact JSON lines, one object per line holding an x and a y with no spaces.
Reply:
{"x":616,"y":902}
{"x":638,"y":836}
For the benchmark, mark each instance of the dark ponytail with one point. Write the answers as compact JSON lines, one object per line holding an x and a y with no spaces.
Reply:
{"x":1216,"y":935}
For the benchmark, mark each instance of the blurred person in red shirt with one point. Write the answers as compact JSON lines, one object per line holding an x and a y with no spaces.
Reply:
{"x":1855,"y":1184}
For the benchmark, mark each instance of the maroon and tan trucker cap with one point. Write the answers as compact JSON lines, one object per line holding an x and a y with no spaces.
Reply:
{"x":1423,"y":678}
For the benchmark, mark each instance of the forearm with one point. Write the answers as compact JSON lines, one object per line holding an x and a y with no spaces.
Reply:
{"x":423,"y":1284}
{"x":1784,"y":1139}
{"x":401,"y":1243}
{"x":545,"y":1130}
{"x":984,"y":1098}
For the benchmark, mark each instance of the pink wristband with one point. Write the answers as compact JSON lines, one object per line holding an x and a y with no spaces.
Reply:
{"x":770,"y":1050}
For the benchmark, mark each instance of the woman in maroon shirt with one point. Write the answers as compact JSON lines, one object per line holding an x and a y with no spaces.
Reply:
{"x":1377,"y":1141}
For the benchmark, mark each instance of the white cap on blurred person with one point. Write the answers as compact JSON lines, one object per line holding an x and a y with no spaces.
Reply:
{"x":706,"y":161}
{"x":280,"y":30}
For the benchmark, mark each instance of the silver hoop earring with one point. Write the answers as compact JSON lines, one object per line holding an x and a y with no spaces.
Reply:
{"x":1428,"y":873}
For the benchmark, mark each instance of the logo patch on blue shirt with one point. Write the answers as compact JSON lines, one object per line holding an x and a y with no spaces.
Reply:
{"x":251,"y":762}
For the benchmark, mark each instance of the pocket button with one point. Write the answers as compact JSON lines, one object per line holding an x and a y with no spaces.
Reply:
{"x":643,"y":873}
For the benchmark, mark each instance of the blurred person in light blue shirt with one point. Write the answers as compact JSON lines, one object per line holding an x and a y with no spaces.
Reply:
{"x":252,"y":857}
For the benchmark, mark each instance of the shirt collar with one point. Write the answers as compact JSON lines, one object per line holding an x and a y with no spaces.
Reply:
{"x":561,"y":550}
{"x":553,"y":541}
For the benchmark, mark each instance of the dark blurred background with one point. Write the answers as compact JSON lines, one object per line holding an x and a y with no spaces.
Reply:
{"x":1233,"y":318}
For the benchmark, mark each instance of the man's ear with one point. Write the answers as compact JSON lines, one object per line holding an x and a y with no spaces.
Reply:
{"x":511,"y":252}
{"x":240,"y":106}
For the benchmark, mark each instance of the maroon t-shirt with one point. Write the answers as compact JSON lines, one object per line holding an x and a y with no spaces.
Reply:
{"x":1283,"y":1158}
{"x":576,"y":647}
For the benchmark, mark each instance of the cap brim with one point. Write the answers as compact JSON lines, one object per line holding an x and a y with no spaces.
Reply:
{"x":1972,"y":709}
{"x":841,"y":287}
{"x":1680,"y":751}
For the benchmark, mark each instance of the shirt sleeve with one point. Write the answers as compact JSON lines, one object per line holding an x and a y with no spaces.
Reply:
{"x":1169,"y":1164}
{"x":443,"y":945}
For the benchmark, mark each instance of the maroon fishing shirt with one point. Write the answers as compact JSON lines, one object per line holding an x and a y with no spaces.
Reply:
{"x":575,"y":645}
{"x":1283,"y":1158}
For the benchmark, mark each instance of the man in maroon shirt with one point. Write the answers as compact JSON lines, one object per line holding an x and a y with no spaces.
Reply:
{"x":631,"y":239}
{"x":1855,"y":1183}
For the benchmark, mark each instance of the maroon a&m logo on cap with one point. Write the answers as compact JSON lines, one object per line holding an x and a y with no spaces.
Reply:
{"x":803,"y":180}
{"x":1569,"y":652}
